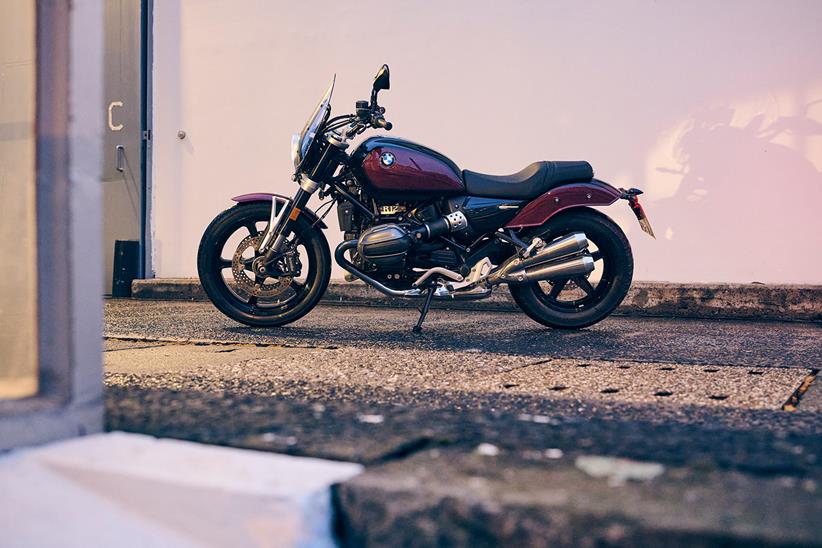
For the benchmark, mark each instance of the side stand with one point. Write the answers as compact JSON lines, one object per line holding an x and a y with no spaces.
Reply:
{"x":424,"y":310}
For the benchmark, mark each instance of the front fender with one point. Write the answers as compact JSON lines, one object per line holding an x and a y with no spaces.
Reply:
{"x":545,"y":206}
{"x":268,"y":197}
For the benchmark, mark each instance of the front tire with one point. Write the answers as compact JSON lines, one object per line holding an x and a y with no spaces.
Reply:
{"x":574,"y":303}
{"x":226,"y":250}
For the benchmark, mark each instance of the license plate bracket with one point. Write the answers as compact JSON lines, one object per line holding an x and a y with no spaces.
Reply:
{"x":641,"y":216}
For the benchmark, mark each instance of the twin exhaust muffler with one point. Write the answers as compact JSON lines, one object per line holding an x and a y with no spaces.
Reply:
{"x":563,"y":258}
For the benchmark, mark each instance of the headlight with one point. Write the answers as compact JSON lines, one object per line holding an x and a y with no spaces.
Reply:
{"x":295,"y":150}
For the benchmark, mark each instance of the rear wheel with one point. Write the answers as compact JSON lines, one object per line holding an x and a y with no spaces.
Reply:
{"x":224,"y":261}
{"x":573,"y":303}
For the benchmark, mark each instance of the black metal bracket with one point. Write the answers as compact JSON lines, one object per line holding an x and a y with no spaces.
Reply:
{"x":424,"y":310}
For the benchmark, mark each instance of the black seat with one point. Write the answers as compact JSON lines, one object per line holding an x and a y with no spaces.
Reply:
{"x":536,"y":179}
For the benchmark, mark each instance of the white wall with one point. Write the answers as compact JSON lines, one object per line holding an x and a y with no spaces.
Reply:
{"x":713,"y":108}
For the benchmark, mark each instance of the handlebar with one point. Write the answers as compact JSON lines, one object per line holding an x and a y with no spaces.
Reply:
{"x":367,"y":115}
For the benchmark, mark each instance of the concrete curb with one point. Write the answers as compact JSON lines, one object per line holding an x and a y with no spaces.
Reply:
{"x":468,"y":500}
{"x":721,"y":301}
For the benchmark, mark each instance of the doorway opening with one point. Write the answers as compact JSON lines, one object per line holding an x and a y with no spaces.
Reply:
{"x":127,"y":141}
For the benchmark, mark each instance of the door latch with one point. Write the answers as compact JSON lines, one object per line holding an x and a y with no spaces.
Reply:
{"x":121,"y":158}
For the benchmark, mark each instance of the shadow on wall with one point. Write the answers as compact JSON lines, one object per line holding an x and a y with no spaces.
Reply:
{"x":742,"y":172}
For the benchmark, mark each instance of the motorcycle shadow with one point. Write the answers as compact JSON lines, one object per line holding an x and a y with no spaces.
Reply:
{"x":525,"y":340}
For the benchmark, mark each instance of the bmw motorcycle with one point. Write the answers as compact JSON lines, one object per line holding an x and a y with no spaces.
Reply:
{"x":418,"y":226}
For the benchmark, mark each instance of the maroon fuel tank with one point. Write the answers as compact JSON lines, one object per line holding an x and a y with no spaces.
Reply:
{"x":398,"y":169}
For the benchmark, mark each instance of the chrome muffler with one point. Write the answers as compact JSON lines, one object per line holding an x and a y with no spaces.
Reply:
{"x":559,"y":259}
{"x":579,"y":266}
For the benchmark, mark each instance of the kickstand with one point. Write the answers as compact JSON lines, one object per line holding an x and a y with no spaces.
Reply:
{"x":424,"y":309}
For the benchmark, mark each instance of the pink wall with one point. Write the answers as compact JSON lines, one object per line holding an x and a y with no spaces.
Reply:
{"x":714,"y":108}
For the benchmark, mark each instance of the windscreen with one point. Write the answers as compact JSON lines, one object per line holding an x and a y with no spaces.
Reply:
{"x":317,"y":118}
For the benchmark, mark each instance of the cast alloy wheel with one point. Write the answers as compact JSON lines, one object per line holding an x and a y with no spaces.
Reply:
{"x":580,"y":301}
{"x":293,"y":282}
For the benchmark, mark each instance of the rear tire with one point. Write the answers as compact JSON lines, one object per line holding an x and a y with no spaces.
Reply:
{"x":614,"y":264}
{"x":297,"y":297}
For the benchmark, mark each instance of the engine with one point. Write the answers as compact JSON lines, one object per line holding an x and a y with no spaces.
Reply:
{"x":386,"y":246}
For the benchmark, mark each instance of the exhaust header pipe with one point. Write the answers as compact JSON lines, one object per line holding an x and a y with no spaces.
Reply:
{"x":558,"y":259}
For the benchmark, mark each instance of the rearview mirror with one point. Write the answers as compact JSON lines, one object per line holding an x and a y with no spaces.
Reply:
{"x":382,"y":80}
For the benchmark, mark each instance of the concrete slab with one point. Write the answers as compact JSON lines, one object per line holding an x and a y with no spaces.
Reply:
{"x":146,"y":357}
{"x":220,"y":367}
{"x":488,"y":498}
{"x":131,"y":490}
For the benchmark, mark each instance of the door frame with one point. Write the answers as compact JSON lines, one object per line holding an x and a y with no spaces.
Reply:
{"x":146,"y":62}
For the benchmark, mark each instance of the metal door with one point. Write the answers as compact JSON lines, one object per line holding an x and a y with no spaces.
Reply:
{"x":122,"y":166}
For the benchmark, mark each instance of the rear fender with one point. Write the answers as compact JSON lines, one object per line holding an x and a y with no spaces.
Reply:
{"x":269,"y":197}
{"x":542,"y":208}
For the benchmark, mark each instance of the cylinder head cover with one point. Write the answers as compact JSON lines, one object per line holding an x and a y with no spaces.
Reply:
{"x":385,"y":245}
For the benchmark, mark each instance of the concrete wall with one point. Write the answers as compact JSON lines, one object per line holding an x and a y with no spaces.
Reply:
{"x":68,"y":140}
{"x":715,"y":109}
{"x":18,"y":231}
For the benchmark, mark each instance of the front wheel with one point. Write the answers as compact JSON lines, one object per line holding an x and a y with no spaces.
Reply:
{"x":574,"y":303}
{"x":227,"y":250}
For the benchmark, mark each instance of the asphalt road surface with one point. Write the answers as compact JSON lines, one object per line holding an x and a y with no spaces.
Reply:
{"x":355,"y":383}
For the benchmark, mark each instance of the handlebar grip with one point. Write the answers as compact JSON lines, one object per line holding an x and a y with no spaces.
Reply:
{"x":383,"y":123}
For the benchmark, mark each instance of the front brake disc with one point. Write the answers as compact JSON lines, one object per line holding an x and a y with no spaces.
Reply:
{"x":253,"y":285}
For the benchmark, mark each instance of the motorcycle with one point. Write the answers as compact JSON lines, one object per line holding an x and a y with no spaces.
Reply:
{"x":417,"y":226}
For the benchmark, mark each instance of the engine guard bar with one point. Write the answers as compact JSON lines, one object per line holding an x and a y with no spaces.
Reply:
{"x":339,"y":256}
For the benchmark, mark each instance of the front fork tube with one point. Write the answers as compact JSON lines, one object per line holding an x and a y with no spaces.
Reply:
{"x":284,"y":221}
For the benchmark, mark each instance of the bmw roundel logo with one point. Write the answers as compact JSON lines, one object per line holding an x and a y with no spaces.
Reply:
{"x":387,"y":159}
